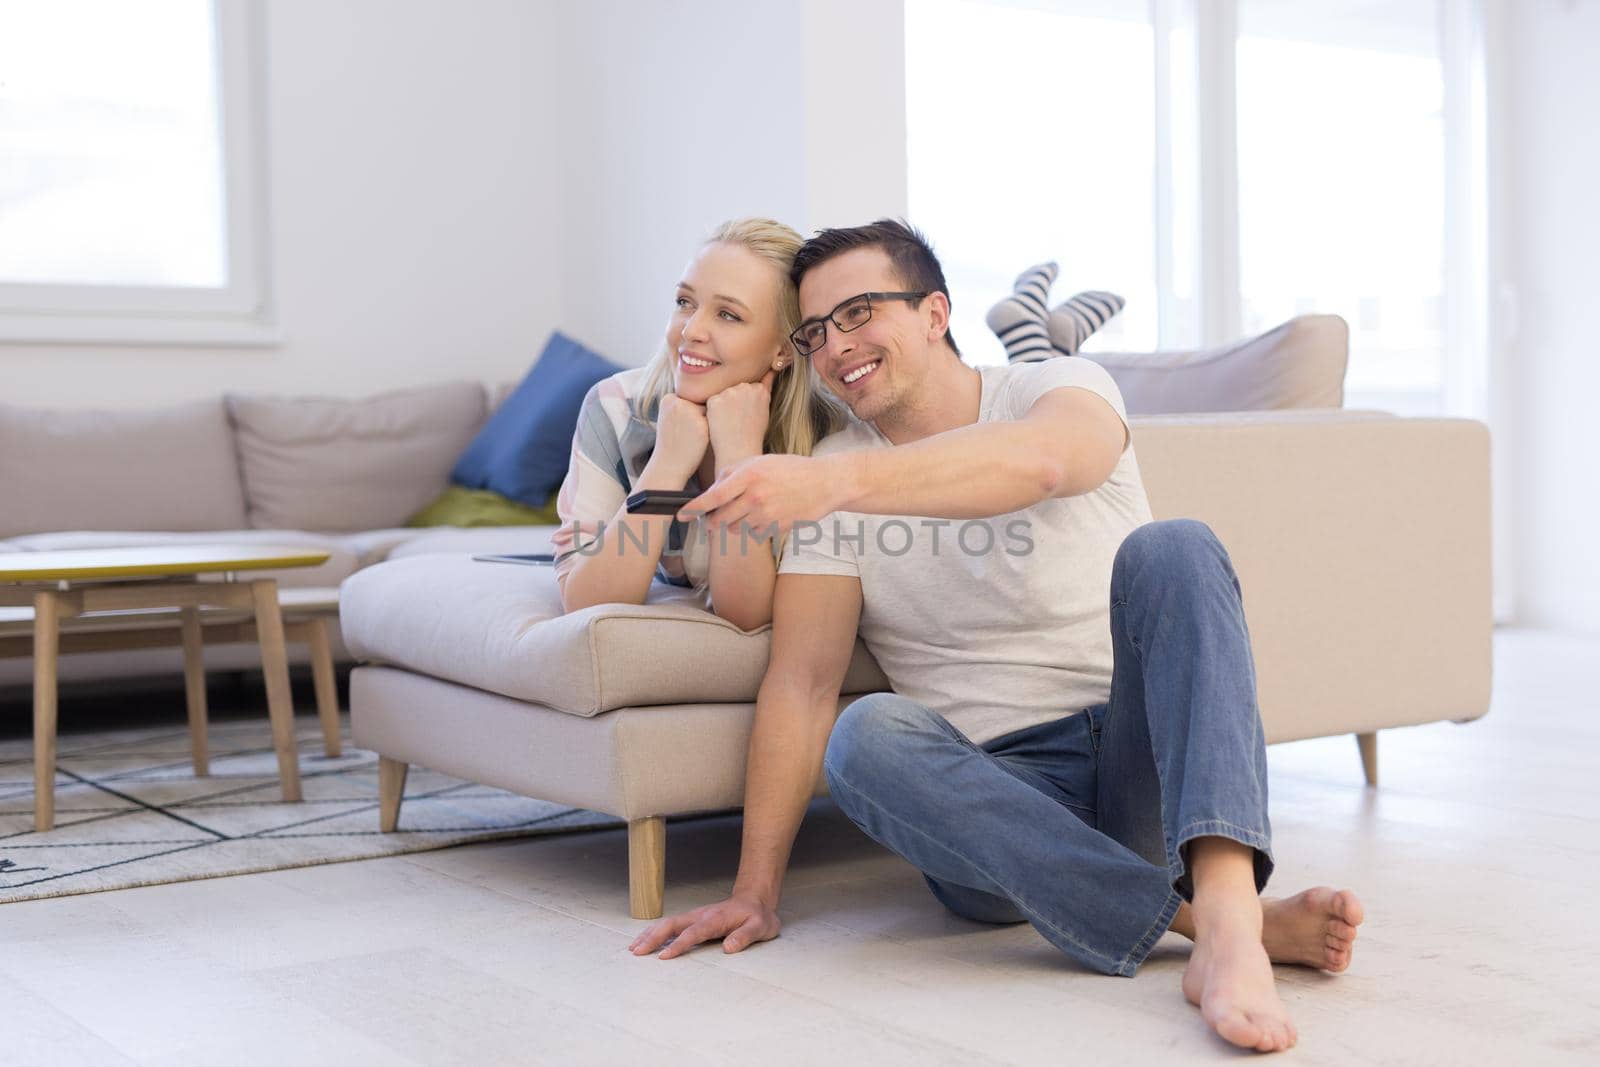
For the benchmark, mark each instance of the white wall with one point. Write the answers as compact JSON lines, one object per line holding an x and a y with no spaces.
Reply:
{"x":415,"y":187}
{"x":684,"y":113}
{"x":679,"y":115}
{"x":1555,"y":241}
{"x":450,"y":182}
{"x":854,"y":87}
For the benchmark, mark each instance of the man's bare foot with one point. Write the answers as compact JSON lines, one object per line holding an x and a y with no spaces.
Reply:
{"x":1229,"y":978}
{"x":1316,"y":928}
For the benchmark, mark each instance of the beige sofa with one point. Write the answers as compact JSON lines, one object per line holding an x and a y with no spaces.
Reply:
{"x":336,"y":474}
{"x":344,"y":475}
{"x":1361,"y":541}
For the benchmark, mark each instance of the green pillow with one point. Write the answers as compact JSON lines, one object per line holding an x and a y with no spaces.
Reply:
{"x":460,"y":506}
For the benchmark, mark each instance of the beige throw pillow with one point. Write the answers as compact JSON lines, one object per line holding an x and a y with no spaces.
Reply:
{"x":334,"y":464}
{"x":169,"y":468}
{"x":1300,"y":364}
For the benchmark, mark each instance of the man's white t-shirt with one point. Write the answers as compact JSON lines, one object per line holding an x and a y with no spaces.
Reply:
{"x":997,"y":624}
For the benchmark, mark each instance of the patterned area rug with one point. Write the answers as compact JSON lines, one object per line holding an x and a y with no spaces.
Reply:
{"x":130,"y":812}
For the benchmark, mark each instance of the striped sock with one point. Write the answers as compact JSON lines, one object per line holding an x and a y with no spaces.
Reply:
{"x":1020,"y":319}
{"x":1071,"y":323}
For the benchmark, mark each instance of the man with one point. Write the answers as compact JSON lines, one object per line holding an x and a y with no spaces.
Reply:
{"x":1073,"y":738}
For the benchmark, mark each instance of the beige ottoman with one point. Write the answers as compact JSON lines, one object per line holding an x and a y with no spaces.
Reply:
{"x":639,"y":712}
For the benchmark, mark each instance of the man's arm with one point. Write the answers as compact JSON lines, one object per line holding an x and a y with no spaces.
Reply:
{"x":1068,"y":442}
{"x":813,"y":634}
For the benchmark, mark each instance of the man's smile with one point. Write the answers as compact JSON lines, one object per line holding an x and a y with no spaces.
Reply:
{"x":859,"y":372}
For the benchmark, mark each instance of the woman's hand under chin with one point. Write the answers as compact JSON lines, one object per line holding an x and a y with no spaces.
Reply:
{"x":682,"y":434}
{"x":738,"y":419}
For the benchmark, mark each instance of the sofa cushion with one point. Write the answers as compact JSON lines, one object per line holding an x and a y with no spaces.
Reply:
{"x":169,"y":468}
{"x":340,"y":564}
{"x":1300,"y":364}
{"x":523,"y":450}
{"x":459,"y":540}
{"x":328,"y":463}
{"x":373,"y":546}
{"x":499,"y":627}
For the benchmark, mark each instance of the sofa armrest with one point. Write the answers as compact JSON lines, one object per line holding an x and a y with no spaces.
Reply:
{"x":1362,"y":545}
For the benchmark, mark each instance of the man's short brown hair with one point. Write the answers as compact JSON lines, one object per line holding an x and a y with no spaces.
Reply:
{"x":909,"y":252}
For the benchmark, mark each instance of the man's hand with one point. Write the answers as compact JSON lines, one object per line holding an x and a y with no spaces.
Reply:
{"x":768,"y":491}
{"x":740,"y":921}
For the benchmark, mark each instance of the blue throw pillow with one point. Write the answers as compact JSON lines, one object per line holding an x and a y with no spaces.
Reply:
{"x":522,"y":451}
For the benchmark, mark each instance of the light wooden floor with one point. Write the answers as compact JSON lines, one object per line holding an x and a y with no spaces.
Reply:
{"x":1479,"y":860}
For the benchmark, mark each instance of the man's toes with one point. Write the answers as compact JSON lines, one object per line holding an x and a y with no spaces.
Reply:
{"x":1237,"y":1028}
{"x":1347,"y":906}
{"x":1343,"y":930}
{"x":1275,"y":1036}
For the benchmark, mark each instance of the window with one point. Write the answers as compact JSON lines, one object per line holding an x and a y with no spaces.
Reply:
{"x":1029,"y":138}
{"x":127,"y":190}
{"x":1342,"y":184}
{"x":1224,"y":165}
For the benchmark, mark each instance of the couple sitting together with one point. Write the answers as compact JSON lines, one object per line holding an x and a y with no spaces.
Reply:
{"x":1072,"y":739}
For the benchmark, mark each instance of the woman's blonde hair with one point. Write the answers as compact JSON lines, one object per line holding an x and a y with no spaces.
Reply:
{"x":801,"y":414}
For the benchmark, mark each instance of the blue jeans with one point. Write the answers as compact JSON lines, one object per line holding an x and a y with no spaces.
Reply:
{"x":1080,"y":826}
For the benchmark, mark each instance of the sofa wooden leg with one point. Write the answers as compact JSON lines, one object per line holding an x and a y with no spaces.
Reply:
{"x":647,"y":867}
{"x":391,"y":787}
{"x":1368,"y":743}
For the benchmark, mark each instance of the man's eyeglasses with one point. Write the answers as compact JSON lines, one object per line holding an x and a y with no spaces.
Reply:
{"x":849,"y":315}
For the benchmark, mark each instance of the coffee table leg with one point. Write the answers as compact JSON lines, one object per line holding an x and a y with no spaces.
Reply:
{"x":46,"y":646}
{"x":326,"y":684}
{"x":275,"y":666}
{"x":194,"y":688}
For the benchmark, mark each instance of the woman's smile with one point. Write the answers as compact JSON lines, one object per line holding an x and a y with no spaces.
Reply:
{"x":690,"y":362}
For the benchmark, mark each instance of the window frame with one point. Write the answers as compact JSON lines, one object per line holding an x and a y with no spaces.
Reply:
{"x":236,"y":314}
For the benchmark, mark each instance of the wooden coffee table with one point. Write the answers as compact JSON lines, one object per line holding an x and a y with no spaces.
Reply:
{"x":118,"y":598}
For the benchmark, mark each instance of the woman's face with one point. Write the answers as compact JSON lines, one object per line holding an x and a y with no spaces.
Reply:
{"x":725,"y":325}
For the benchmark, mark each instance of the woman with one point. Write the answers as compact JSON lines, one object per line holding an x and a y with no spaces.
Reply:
{"x":725,"y":387}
